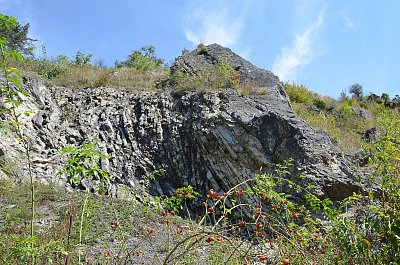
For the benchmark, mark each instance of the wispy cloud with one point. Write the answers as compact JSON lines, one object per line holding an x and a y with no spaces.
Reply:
{"x":7,"y":3}
{"x":301,"y":52}
{"x":349,"y":23}
{"x":223,"y":24}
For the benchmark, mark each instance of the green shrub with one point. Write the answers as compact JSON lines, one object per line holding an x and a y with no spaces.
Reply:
{"x":143,"y":59}
{"x":345,"y":108}
{"x":209,"y":78}
{"x":319,"y":103}
{"x":298,"y":94}
{"x":82,"y":59}
{"x":201,"y":49}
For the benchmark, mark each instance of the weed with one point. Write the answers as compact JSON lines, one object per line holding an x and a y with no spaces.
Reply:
{"x":12,"y":89}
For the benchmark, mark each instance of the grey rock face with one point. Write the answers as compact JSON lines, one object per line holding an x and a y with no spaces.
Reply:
{"x":213,"y":140}
{"x":208,"y":140}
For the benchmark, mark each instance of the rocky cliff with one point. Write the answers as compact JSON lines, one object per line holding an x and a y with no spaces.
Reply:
{"x":208,"y":140}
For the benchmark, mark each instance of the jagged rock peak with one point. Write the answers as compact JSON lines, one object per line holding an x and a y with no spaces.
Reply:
{"x":214,"y":54}
{"x":206,"y":59}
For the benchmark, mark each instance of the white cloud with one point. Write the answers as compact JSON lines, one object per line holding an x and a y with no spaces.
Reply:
{"x":301,"y":52}
{"x":6,"y":4}
{"x":222,"y":25}
{"x":349,"y":23}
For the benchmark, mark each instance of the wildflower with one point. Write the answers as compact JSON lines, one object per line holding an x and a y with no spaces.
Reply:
{"x":172,"y":213}
{"x":263,"y":258}
{"x":164,"y":213}
{"x":285,"y":261}
{"x":108,"y":254}
{"x":150,"y":231}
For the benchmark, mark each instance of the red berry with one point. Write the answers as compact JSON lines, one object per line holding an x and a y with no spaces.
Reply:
{"x":295,"y":215}
{"x":164,"y":213}
{"x":172,"y":213}
{"x":210,"y":193}
{"x":285,"y":261}
{"x":271,"y":245}
{"x":150,"y":231}
{"x":263,"y":258}
{"x":210,"y":239}
{"x":210,"y":210}
{"x":263,"y":197}
{"x":242,"y":224}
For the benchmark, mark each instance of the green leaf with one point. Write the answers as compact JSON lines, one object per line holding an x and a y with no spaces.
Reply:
{"x":16,"y":82}
{"x":14,"y":102}
{"x":26,"y":94}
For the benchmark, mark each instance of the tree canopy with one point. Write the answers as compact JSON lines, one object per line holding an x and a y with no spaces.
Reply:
{"x":16,"y":36}
{"x":356,"y":89}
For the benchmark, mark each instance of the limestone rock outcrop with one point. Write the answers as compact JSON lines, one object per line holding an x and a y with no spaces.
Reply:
{"x":207,"y":140}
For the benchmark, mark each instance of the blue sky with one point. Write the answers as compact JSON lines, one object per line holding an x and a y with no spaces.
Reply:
{"x":326,"y":45}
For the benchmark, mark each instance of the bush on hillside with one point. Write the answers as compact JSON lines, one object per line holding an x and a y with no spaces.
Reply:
{"x":298,"y":93}
{"x":319,"y":103}
{"x":143,"y":59}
